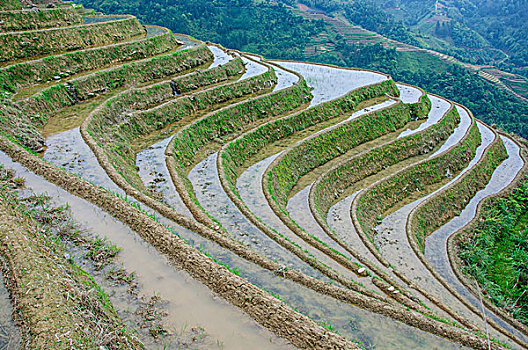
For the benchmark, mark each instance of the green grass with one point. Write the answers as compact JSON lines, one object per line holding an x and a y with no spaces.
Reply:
{"x":497,"y":251}
{"x":414,"y":61}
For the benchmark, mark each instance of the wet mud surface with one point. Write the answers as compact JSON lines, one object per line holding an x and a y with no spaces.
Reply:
{"x":10,"y":337}
{"x":188,"y":303}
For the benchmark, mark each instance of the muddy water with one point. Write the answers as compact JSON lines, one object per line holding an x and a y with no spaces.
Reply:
{"x":249,"y":186}
{"x":340,"y":221}
{"x":252,"y":69}
{"x":379,"y":331}
{"x":284,"y":79}
{"x":298,"y":206}
{"x":188,"y":303}
{"x":439,"y":107}
{"x":299,"y":211}
{"x":435,"y":246}
{"x":67,"y":150}
{"x":409,"y":94}
{"x":155,"y":175}
{"x":215,"y":201}
{"x":329,"y":83}
{"x":10,"y":337}
{"x":151,"y":160}
{"x":339,"y":215}
{"x":299,"y":297}
{"x":350,"y":321}
{"x":393,"y":244}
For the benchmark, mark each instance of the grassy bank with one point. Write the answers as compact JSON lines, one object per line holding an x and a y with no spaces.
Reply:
{"x":59,"y":306}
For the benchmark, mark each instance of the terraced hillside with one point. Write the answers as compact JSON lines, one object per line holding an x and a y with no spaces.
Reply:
{"x":236,"y":202}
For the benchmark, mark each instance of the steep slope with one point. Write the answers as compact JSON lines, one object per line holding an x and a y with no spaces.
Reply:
{"x":232,"y":167}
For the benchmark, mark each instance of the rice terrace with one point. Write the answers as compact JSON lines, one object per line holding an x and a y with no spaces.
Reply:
{"x":161,"y":192}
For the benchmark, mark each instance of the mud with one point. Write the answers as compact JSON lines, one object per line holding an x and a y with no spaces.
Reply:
{"x":188,"y":303}
{"x":10,"y":337}
{"x":155,"y":175}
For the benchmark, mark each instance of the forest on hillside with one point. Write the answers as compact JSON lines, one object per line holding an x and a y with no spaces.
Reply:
{"x":273,"y":30}
{"x":501,"y":24}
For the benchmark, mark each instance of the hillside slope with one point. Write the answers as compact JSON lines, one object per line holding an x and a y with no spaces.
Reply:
{"x":256,"y":202}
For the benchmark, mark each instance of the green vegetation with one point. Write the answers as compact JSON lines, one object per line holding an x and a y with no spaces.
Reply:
{"x":29,"y":73}
{"x":108,"y":123}
{"x":139,"y":90}
{"x":59,"y":96}
{"x":322,"y":148}
{"x":10,"y":4}
{"x":17,"y":126}
{"x":495,"y":251}
{"x":60,"y":305}
{"x":239,"y":151}
{"x":328,"y":188}
{"x":44,"y":18}
{"x":261,"y":27}
{"x":17,"y":45}
{"x":236,"y":118}
{"x":378,"y":199}
{"x":276,"y":32}
{"x":472,"y":30}
{"x":445,"y":205}
{"x":190,"y":142}
{"x":146,"y":98}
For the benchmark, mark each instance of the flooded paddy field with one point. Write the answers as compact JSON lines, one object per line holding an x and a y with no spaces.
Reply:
{"x":221,"y":153}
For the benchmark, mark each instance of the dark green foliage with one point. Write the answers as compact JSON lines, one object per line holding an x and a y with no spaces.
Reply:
{"x":496,"y":251}
{"x":369,"y":16}
{"x":503,"y":23}
{"x":268,"y":28}
{"x":277,"y":33}
{"x":487,"y":101}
